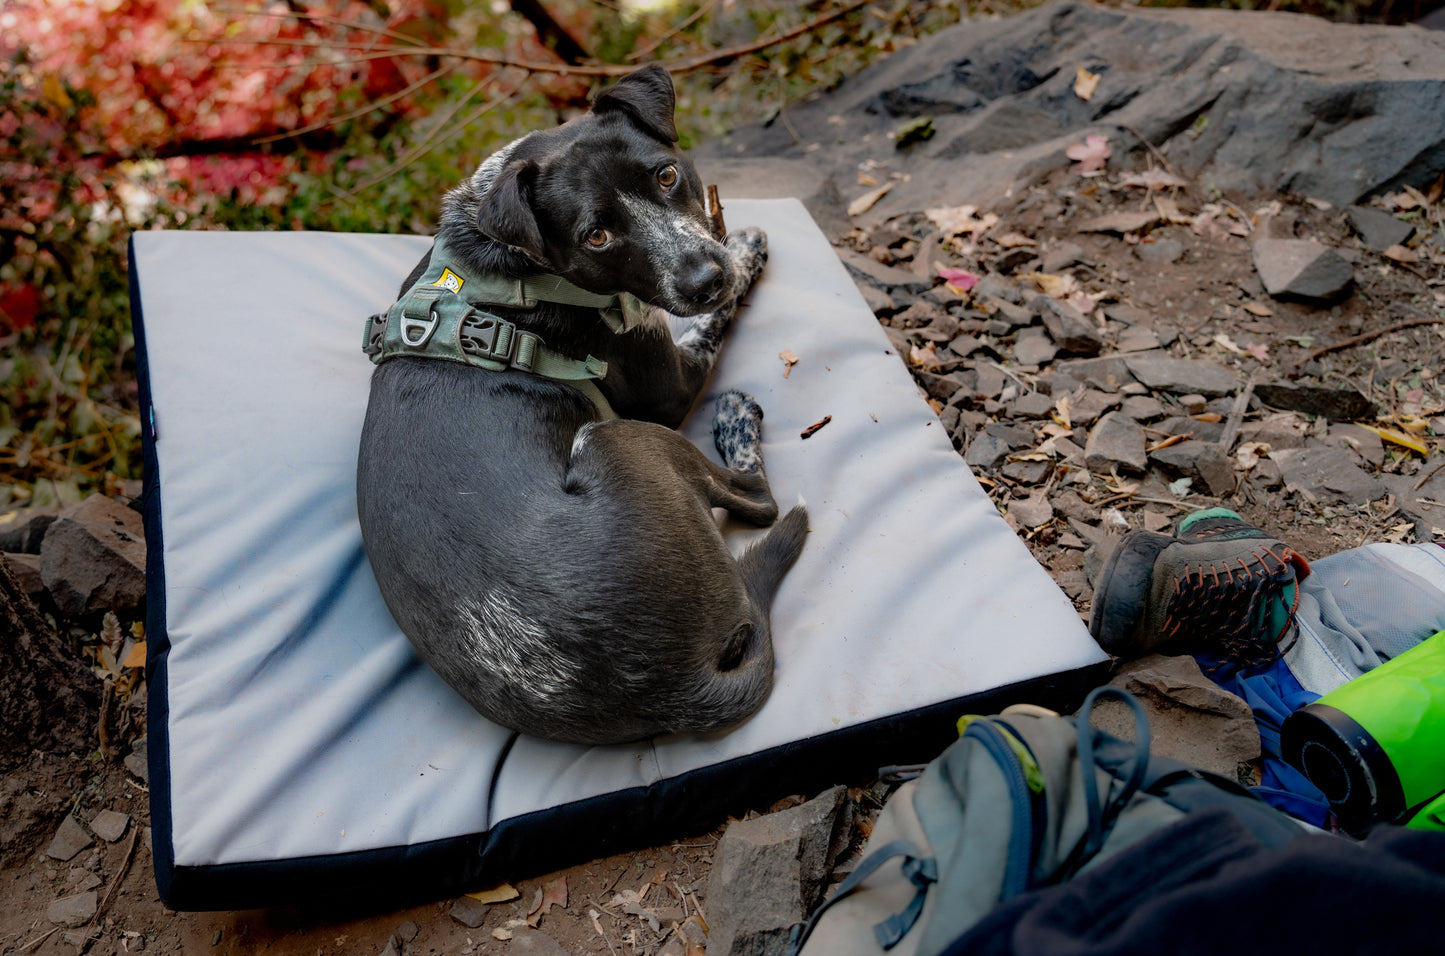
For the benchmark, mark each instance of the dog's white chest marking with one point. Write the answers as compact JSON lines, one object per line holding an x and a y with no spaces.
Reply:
{"x":515,"y":647}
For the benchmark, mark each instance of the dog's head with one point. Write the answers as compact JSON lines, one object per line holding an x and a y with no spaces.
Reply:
{"x":608,"y":201}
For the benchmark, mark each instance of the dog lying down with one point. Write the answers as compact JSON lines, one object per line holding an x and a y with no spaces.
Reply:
{"x":537,"y":527}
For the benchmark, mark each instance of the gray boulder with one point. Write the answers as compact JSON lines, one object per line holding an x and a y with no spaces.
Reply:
{"x":1244,"y":101}
{"x":93,"y":559}
{"x":1301,"y":268}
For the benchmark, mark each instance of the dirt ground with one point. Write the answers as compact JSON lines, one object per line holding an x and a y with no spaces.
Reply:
{"x":1199,"y":296}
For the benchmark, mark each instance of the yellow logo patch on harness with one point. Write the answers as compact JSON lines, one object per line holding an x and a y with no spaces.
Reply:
{"x":450,"y":281}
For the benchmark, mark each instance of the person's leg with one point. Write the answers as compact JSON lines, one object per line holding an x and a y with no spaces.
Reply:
{"x":1363,"y":606}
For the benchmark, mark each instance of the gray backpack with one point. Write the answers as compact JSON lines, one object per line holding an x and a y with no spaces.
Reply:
{"x":1018,"y":802}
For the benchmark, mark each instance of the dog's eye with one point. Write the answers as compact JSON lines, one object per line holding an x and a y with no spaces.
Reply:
{"x":667,"y":177}
{"x":598,"y":238}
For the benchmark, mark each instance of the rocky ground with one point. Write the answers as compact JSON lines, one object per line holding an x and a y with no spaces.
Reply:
{"x":1111,"y":342}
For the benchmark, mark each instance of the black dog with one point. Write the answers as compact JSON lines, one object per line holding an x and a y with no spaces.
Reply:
{"x":559,"y":566}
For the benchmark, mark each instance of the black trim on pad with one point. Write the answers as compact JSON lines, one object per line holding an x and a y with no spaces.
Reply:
{"x":158,"y":642}
{"x":573,"y":833}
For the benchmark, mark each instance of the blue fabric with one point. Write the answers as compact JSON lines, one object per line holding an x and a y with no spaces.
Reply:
{"x":1273,"y":693}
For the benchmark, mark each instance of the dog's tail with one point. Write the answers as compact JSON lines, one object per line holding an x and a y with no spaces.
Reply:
{"x":739,"y":682}
{"x":764,"y":564}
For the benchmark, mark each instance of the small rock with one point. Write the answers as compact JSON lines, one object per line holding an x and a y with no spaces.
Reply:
{"x":991,"y":287}
{"x":1116,"y":441}
{"x":1181,"y":376}
{"x":1068,"y":327}
{"x":1059,"y":257}
{"x":1190,"y":718}
{"x":769,"y":872}
{"x":1069,"y":504}
{"x":1137,"y":339}
{"x":1110,"y":371}
{"x":70,"y":838}
{"x":1194,"y":404}
{"x":468,"y":912}
{"x":1336,"y":404}
{"x":1301,"y":268}
{"x":1031,"y":512}
{"x":988,"y":381}
{"x":1200,"y":460}
{"x":1361,"y":441}
{"x":23,"y":530}
{"x":393,"y":947}
{"x":1074,"y":583}
{"x":879,"y":302}
{"x":73,"y":910}
{"x":109,"y":825}
{"x":1034,"y":347}
{"x":1159,"y":252}
{"x":535,"y":942}
{"x":1027,"y":472}
{"x":986,"y":452}
{"x":1091,"y":405}
{"x":93,"y":558}
{"x":1013,"y":315}
{"x":1155,"y":521}
{"x":1142,"y":408}
{"x":887,"y":278}
{"x":942,"y":387}
{"x":1377,"y":229}
{"x":136,"y":760}
{"x":1032,"y":405}
{"x":1330,"y":474}
{"x":25,"y":569}
{"x":1016,"y":436}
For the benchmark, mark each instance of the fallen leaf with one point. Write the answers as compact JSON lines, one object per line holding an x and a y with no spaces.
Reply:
{"x":1165,"y":443}
{"x":553,"y":893}
{"x":1082,"y":301}
{"x":1153,"y":179}
{"x":1259,"y":309}
{"x":1259,"y":350}
{"x":926,"y":358}
{"x":1398,"y":438}
{"x":592,"y":915}
{"x":1013,"y":240}
{"x":959,"y":280}
{"x":789,"y":360}
{"x":1225,"y":342}
{"x":1055,"y":287}
{"x":1401,"y":254}
{"x":500,"y":893}
{"x":1120,"y":222}
{"x":1090,"y":156}
{"x":868,"y":200}
{"x":1249,"y":453}
{"x":961,"y":220}
{"x":502,"y":934}
{"x":1169,"y":212}
{"x":1208,"y":417}
{"x":1180,"y":488}
{"x":136,"y":656}
{"x":1062,"y":410}
{"x":1085,"y":83}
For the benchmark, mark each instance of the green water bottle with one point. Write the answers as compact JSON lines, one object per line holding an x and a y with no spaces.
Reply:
{"x":1375,"y":747}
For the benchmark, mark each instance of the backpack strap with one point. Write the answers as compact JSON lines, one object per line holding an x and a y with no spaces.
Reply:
{"x":1102,"y":812}
{"x":919,"y":870}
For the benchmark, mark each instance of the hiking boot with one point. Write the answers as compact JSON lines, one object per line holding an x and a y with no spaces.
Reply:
{"x":1216,"y":584}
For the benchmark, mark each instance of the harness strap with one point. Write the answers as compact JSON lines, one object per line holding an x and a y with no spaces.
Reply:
{"x":445,"y":315}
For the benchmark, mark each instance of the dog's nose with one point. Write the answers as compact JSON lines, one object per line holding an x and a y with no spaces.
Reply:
{"x":703,"y":282}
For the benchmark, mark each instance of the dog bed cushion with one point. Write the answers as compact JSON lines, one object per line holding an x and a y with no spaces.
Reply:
{"x":299,"y":748}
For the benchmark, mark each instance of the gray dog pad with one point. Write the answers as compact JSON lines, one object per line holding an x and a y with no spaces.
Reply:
{"x":297,"y":744}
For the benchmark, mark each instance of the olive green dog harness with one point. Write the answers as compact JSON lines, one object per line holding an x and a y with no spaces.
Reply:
{"x":445,"y":315}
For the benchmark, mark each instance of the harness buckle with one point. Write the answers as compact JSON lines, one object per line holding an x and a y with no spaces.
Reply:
{"x":419,"y":319}
{"x":487,"y":336}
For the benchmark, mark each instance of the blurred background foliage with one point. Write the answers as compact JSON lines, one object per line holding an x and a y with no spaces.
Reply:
{"x":348,"y":115}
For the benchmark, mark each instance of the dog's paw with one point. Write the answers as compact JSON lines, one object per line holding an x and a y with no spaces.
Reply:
{"x":749,"y":250}
{"x":737,"y":430}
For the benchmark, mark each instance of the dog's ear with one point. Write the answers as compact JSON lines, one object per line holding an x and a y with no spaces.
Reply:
{"x":505,"y":210}
{"x":647,"y":96}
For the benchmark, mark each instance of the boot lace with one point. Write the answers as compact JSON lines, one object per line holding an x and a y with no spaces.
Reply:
{"x":1226,"y":606}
